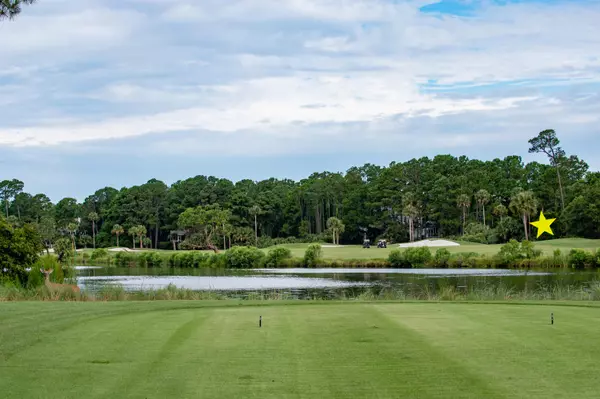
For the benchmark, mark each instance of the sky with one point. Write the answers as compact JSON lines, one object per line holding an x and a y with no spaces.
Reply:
{"x":99,"y":93}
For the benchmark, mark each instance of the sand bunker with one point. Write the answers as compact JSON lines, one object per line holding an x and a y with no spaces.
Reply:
{"x":430,"y":243}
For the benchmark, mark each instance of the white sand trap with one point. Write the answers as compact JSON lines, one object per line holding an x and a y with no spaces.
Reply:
{"x":331,"y":246}
{"x":430,"y":243}
{"x":120,"y":249}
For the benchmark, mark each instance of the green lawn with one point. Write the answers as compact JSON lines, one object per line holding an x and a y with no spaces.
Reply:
{"x":358,"y":252}
{"x":304,"y":350}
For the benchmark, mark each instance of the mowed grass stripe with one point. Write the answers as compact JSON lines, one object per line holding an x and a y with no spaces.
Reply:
{"x":514,"y":347}
{"x":375,"y":350}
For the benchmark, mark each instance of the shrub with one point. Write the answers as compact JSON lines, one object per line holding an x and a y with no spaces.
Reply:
{"x":463,"y":259}
{"x":63,"y":248}
{"x":99,"y":253}
{"x":313,"y":255}
{"x":480,"y":233}
{"x":580,"y":259}
{"x":276,"y":256}
{"x":265,"y":242}
{"x":396,"y":259}
{"x":513,"y":251}
{"x":417,"y":257}
{"x":441,"y":258}
{"x":124,"y":259}
{"x":244,"y":257}
{"x":140,"y":260}
{"x":528,"y":250}
{"x":152,"y":259}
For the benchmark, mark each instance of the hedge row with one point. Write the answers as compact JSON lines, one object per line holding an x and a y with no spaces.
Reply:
{"x":513,"y":255}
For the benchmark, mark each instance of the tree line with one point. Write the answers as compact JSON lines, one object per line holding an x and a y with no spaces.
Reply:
{"x":446,"y":196}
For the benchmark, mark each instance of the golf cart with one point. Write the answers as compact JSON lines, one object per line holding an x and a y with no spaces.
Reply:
{"x":382,"y":244}
{"x":367,"y":243}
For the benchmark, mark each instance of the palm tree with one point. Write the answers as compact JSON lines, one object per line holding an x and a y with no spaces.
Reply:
{"x":117,"y":230}
{"x":482,"y":197}
{"x":525,"y":204}
{"x":10,"y":8}
{"x":500,"y":211}
{"x":93,"y":217}
{"x":133,"y":232}
{"x":141,"y":230}
{"x":464,"y":201}
{"x":336,"y":227}
{"x":255,"y":210}
{"x":72,"y":228}
{"x":411,"y":212}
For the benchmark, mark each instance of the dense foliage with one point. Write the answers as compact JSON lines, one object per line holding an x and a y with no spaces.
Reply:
{"x":19,"y":249}
{"x":481,"y":201}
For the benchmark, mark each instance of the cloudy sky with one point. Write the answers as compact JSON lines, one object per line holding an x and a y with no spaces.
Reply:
{"x":115,"y":92}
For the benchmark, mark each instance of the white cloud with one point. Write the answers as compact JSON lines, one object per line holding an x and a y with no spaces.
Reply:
{"x":268,"y":68}
{"x":267,"y":102}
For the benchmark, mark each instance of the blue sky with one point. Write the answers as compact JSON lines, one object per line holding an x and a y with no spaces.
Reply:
{"x":101,"y":93}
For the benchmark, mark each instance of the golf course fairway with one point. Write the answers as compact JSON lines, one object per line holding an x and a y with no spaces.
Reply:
{"x":200,"y":349}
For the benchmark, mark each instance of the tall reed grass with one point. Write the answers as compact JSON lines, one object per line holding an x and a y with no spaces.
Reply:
{"x":589,"y":292}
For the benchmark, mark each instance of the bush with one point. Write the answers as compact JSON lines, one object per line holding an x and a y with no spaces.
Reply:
{"x":152,"y":259}
{"x":265,"y":242}
{"x":528,"y":250}
{"x":313,"y":255}
{"x":244,"y":257}
{"x":124,"y":259}
{"x":513,"y":251}
{"x":417,"y":257}
{"x":463,"y":259}
{"x":580,"y":259}
{"x":441,"y":258}
{"x":276,"y":256}
{"x":397,"y":260}
{"x":99,"y":253}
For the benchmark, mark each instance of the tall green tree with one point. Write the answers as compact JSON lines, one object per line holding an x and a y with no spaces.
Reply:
{"x":19,"y":249}
{"x":464,"y":202}
{"x":8,"y":190}
{"x":483,"y":198}
{"x":93,"y":217}
{"x":202,"y":224}
{"x":46,"y":229}
{"x":117,"y":230}
{"x":72,"y":229}
{"x":255,"y":210}
{"x":546,"y":142}
{"x":141,"y":234}
{"x":500,"y":211}
{"x":336,"y":227}
{"x":134,"y":233}
{"x":525,"y":204}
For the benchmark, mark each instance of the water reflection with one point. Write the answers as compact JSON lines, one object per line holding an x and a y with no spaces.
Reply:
{"x":218,"y":283}
{"x":327,"y":283}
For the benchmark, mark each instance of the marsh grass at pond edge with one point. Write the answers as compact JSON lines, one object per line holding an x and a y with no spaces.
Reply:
{"x":555,"y":292}
{"x":513,"y":255}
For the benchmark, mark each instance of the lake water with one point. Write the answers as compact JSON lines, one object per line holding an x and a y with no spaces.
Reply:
{"x":325,"y":283}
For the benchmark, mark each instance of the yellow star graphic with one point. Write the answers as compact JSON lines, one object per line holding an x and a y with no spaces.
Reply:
{"x":543,"y":225}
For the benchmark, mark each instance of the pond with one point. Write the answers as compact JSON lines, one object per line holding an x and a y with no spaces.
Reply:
{"x":327,"y":283}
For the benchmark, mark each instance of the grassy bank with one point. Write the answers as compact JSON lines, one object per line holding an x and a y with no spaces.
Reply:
{"x":540,"y":255}
{"x":215,"y":349}
{"x":357,"y":252}
{"x":561,"y":292}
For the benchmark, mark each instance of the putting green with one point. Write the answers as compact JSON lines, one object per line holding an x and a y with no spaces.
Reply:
{"x":304,"y":350}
